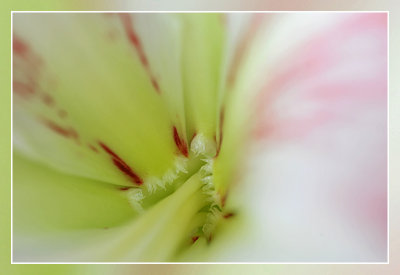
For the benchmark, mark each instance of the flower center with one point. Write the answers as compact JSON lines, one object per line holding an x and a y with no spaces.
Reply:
{"x":196,"y":169}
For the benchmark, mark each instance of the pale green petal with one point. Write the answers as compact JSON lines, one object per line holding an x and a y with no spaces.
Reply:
{"x":45,"y":200}
{"x":91,"y":98}
{"x":201,"y":56}
{"x":62,"y":218}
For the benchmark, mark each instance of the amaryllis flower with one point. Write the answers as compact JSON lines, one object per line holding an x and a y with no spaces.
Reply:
{"x":199,"y":137}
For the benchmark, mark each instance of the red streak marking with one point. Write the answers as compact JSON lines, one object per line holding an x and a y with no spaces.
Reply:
{"x":66,"y":132}
{"x":228,"y":215}
{"x":221,"y":125}
{"x":48,"y":100}
{"x":195,"y":238}
{"x":19,"y":47}
{"x":26,"y":64}
{"x":23,"y":89}
{"x":121,"y":165}
{"x":155,"y":85}
{"x":135,"y":41}
{"x":133,"y":38}
{"x":194,"y":135}
{"x":181,"y":144}
{"x":109,"y":151}
{"x":124,"y":188}
{"x":57,"y":128}
{"x":94,"y":149}
{"x":223,"y":199}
